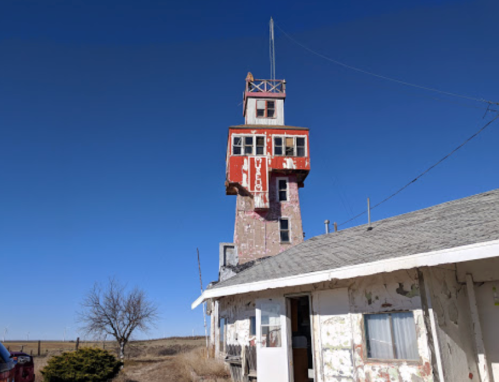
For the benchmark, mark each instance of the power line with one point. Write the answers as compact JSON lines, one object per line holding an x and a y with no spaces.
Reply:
{"x":424,"y":172}
{"x":382,"y":76}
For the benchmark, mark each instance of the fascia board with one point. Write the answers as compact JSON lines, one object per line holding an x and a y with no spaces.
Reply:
{"x":470,"y":252}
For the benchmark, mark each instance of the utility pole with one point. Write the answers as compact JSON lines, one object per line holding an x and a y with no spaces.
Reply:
{"x":204,"y":304}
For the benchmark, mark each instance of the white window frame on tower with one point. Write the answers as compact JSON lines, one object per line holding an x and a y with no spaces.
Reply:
{"x":289,"y":230}
{"x":279,"y":189}
{"x":265,"y":113}
{"x":295,"y":147}
{"x":254,"y":145}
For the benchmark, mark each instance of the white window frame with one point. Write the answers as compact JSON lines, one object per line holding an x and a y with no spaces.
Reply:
{"x":279,"y":190}
{"x":393,"y":343}
{"x":254,"y":136}
{"x":289,"y":229}
{"x":283,"y":137}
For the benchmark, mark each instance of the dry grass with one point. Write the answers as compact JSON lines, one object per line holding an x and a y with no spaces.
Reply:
{"x":166,"y":360}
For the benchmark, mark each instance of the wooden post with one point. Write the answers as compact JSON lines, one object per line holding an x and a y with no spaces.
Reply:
{"x":77,"y":343}
{"x":39,"y":347}
{"x":31,"y":352}
{"x":22,"y":347}
{"x":483,"y":368}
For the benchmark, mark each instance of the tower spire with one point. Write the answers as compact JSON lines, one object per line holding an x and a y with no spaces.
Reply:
{"x":271,"y":49}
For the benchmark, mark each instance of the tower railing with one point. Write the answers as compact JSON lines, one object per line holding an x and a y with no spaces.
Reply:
{"x":266,"y":86}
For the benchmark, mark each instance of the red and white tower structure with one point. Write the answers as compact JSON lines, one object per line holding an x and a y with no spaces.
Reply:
{"x":267,"y":163}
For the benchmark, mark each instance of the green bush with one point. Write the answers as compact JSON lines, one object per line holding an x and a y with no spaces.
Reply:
{"x":84,"y":365}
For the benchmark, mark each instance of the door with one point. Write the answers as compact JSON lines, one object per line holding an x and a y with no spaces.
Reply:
{"x":272,"y":340}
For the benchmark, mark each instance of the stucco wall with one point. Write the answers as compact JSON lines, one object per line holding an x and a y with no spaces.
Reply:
{"x":256,"y":233}
{"x":338,"y":326}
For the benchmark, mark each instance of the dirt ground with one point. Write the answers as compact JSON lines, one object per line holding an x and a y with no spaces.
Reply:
{"x":164,"y":360}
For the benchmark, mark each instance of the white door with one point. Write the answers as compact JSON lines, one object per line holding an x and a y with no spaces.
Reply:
{"x":272,"y":341}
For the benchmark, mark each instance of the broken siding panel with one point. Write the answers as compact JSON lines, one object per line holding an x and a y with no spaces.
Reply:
{"x":333,"y":335}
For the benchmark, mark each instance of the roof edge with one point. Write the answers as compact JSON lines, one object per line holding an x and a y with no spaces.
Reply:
{"x":460,"y":254}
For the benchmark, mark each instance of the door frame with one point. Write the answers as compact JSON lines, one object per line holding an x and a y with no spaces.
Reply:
{"x":289,"y":330}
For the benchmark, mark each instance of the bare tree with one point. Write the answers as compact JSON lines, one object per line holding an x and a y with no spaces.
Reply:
{"x":116,"y":312}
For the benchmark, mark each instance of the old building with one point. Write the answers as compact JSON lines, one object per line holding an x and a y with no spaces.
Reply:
{"x":267,"y":162}
{"x":411,"y":298}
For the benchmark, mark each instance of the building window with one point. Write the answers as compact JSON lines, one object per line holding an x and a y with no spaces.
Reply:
{"x":391,"y":336}
{"x":284,"y":230}
{"x":290,"y":146}
{"x":265,"y":109}
{"x":260,"y":145}
{"x":252,"y":320}
{"x":221,"y":336}
{"x":282,"y":189}
{"x":237,"y":145}
{"x":248,"y":145}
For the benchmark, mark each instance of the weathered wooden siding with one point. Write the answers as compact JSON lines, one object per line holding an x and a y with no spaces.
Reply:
{"x":251,"y":118}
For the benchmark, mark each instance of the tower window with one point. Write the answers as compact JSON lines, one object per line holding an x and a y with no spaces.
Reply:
{"x":290,"y":146}
{"x":237,"y":145}
{"x":248,"y":145}
{"x":260,"y":145}
{"x":265,"y":109}
{"x":284,"y":230}
{"x":282,"y":189}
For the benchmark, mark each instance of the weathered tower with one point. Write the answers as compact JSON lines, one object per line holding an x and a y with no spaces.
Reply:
{"x":267,"y":162}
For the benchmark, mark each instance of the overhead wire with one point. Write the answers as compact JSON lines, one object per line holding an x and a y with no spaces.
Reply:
{"x":424,"y":172}
{"x":387,"y":78}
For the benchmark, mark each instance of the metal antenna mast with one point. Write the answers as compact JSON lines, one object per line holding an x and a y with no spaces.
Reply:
{"x":272,"y":49}
{"x":204,"y":305}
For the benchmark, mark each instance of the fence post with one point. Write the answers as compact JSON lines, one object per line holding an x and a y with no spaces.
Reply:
{"x":22,"y":347}
{"x":77,"y":343}
{"x":39,"y":347}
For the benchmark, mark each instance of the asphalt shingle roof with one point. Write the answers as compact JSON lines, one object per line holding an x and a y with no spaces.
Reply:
{"x":470,"y":220}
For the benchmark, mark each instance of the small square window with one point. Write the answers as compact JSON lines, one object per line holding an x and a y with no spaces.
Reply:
{"x":265,"y":109}
{"x":391,"y":336}
{"x":284,"y":230}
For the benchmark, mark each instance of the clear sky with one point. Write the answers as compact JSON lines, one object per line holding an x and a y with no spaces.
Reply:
{"x":113,"y":128}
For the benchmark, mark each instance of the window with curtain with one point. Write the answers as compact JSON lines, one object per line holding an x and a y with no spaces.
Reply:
{"x":391,"y":336}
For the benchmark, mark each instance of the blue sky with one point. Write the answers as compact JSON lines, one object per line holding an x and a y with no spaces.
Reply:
{"x":113,"y":126}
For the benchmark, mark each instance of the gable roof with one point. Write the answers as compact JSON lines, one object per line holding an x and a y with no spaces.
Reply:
{"x":458,"y":223}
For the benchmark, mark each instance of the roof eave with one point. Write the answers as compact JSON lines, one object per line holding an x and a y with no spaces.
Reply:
{"x":460,"y":254}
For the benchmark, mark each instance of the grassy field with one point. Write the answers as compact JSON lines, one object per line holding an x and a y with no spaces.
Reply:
{"x":169,"y":359}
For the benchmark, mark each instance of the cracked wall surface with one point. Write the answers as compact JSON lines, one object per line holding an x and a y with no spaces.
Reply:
{"x":256,"y":233}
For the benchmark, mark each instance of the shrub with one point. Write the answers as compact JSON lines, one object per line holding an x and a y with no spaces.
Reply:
{"x":84,"y":365}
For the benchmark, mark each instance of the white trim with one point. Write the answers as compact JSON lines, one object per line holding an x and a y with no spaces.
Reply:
{"x":470,"y":252}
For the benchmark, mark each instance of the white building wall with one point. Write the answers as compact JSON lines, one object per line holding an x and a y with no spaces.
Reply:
{"x":251,"y":118}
